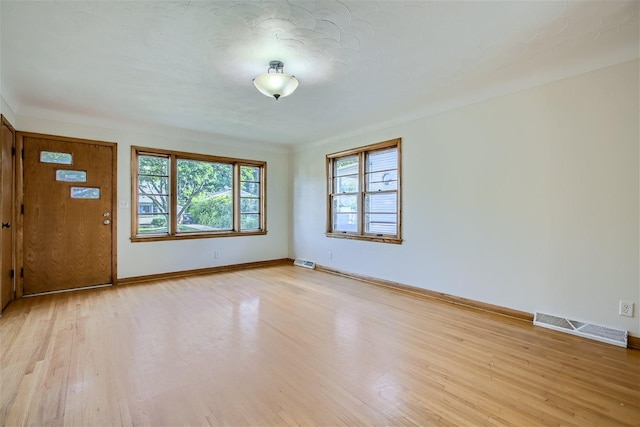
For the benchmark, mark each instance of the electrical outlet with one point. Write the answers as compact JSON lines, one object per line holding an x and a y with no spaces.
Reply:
{"x":626,"y":308}
{"x":216,"y":254}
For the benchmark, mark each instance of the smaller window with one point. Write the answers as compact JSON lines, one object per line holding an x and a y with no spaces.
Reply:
{"x":85,"y":193}
{"x":250,"y":206}
{"x":55,"y":157}
{"x":71,"y":176}
{"x":153,"y":194}
{"x":363,"y":199}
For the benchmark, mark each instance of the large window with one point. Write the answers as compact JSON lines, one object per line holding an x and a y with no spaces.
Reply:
{"x":181,"y":195}
{"x":364,"y":193}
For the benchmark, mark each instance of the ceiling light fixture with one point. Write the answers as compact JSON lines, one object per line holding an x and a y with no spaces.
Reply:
{"x":276,"y":83}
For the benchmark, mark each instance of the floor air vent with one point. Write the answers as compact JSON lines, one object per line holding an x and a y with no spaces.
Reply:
{"x":587,"y":330}
{"x":304,"y":263}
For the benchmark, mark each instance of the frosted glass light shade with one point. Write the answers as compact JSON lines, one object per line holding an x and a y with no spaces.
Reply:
{"x":276,"y":85}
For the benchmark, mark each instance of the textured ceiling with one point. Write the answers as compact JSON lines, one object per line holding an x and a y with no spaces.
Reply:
{"x":190,"y":64}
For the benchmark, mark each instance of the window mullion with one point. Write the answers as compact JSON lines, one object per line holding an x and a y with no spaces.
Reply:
{"x":236,"y":196}
{"x":361,"y":191}
{"x":173,"y":195}
{"x":329,"y":200}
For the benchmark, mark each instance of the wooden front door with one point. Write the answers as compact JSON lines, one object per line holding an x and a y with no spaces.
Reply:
{"x":7,"y":137}
{"x":68,"y":213}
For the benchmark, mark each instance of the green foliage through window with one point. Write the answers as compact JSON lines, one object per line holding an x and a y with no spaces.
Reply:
{"x":215,"y":212}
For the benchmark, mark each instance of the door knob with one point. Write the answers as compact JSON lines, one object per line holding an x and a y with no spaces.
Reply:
{"x":106,"y":222}
{"x":6,"y":224}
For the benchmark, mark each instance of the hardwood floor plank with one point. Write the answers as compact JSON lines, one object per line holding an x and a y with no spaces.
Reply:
{"x":287,"y":346}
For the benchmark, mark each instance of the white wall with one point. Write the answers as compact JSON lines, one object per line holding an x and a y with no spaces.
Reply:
{"x":6,"y":111}
{"x":528,"y":201}
{"x":137,"y":259}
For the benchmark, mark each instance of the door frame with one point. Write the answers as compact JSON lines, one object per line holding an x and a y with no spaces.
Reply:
{"x":5,"y":122}
{"x":20,"y":200}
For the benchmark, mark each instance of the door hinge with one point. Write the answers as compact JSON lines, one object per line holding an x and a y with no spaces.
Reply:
{"x":22,"y":272}
{"x":12,"y":273}
{"x":13,"y":151}
{"x":22,"y":209}
{"x":22,"y":154}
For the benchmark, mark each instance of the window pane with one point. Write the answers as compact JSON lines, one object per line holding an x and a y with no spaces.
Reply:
{"x":345,"y":222}
{"x":53,"y":157}
{"x":249,"y":198}
{"x":250,"y":173}
{"x":85,"y":193}
{"x":153,"y":224}
{"x":250,"y":189}
{"x":153,"y":204}
{"x":382,"y":160}
{"x":152,"y":165}
{"x":205,"y":196}
{"x":250,"y":222}
{"x":249,"y":206}
{"x":382,"y":181}
{"x":346,"y":184}
{"x":381,"y":223}
{"x":346,"y":166}
{"x":71,"y":176}
{"x":197,"y":178}
{"x":153,"y":214}
{"x":153,"y":184}
{"x":380,"y":202}
{"x":153,"y":195}
{"x":211,"y":213}
{"x":345,"y":204}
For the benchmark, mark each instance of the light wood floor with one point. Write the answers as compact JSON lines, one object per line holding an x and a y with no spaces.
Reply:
{"x":286,"y":346}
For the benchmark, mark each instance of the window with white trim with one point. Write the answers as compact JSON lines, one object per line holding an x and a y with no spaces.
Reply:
{"x":363,"y":198}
